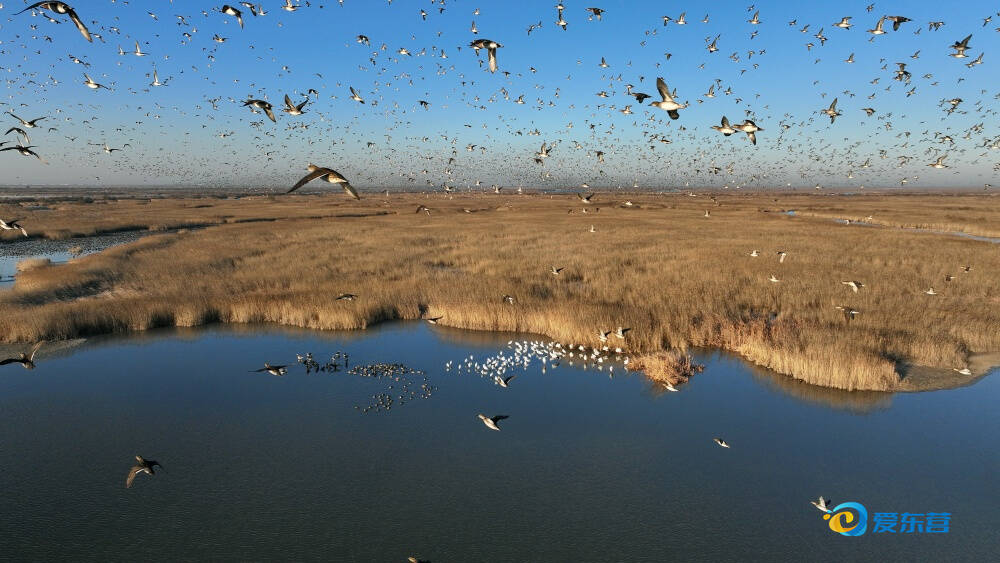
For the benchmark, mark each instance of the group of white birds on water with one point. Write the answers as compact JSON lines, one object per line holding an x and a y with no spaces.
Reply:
{"x":501,"y":368}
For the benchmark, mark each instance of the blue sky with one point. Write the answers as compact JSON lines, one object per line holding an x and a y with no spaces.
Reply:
{"x":177,"y":137}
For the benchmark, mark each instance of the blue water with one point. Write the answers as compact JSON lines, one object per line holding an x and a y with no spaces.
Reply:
{"x":15,"y":250}
{"x":587,"y":468}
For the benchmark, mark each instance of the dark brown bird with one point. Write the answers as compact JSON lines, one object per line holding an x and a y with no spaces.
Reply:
{"x":61,"y":8}
{"x":27,"y":361}
{"x":329,"y":175}
{"x":144,"y":466}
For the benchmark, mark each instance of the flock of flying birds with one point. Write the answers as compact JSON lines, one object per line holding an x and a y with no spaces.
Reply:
{"x":378,"y":134}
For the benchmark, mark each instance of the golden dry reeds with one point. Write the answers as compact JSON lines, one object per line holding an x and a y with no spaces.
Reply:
{"x":660,"y":267}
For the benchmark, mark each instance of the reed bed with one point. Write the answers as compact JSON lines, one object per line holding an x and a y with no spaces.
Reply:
{"x":675,"y":277}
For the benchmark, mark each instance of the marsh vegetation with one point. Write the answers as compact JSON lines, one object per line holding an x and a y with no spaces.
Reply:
{"x":677,"y":278}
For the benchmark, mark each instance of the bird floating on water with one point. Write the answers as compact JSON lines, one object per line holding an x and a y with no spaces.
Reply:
{"x":273,"y":370}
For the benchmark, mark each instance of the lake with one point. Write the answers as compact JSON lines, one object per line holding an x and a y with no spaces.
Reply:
{"x":588,"y":466}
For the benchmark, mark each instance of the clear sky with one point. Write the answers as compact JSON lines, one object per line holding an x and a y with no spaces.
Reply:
{"x":196,"y":131}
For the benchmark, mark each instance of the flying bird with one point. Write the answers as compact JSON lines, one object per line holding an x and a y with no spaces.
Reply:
{"x":330,"y":175}
{"x":27,"y":360}
{"x":62,"y":8}
{"x":667,"y":103}
{"x":263,"y":105}
{"x":12,"y":225}
{"x":143,"y":466}
{"x":491,"y":422}
{"x":231,"y":11}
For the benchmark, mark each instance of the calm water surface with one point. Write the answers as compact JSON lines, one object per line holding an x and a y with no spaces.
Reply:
{"x":587,"y":467}
{"x":58,"y":251}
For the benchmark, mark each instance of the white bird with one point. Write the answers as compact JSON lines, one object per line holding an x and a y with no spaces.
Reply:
{"x":721,"y":442}
{"x":821,"y":504}
{"x":668,"y":103}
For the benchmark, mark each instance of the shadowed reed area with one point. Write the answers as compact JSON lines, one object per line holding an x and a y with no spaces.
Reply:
{"x":677,"y":278}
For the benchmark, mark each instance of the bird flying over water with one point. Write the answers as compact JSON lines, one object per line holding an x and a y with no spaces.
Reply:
{"x":27,"y":360}
{"x":492,"y":422}
{"x":142,"y":466}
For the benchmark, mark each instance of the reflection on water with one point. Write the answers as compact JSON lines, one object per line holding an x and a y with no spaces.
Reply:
{"x":853,"y":401}
{"x":586,"y":468}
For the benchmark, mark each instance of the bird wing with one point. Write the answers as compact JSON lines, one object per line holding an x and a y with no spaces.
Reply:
{"x":492,"y":53}
{"x":31,"y":7}
{"x":270,"y":114}
{"x":288,"y":102}
{"x":9,"y":361}
{"x":34,"y":349}
{"x":725,"y":121}
{"x":498,"y":418}
{"x":131,"y":475}
{"x":350,"y":190}
{"x":661,"y":86}
{"x":318,"y":173}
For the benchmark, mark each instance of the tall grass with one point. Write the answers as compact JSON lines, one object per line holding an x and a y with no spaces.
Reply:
{"x":676,"y":278}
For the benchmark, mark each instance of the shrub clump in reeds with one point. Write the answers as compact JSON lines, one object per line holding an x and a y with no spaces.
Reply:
{"x":669,"y":366}
{"x":32,"y":263}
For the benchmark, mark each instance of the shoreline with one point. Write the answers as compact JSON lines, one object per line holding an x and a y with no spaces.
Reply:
{"x":918,"y":379}
{"x":654,"y":263}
